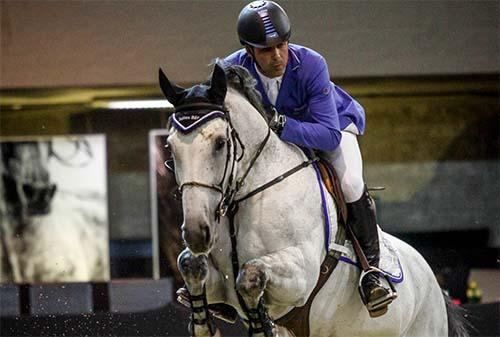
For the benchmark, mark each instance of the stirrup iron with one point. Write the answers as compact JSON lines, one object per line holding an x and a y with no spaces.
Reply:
{"x":379,"y":307}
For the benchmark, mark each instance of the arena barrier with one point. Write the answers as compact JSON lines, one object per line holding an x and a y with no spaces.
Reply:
{"x":132,"y":308}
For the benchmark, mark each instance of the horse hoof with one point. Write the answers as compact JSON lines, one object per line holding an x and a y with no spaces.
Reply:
{"x":183,"y":297}
{"x":193,"y":268}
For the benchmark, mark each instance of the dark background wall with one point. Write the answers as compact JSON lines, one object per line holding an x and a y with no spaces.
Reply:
{"x":425,"y":71}
{"x":431,"y":141}
{"x":82,"y":43}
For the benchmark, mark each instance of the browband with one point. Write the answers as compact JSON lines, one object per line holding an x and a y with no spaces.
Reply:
{"x":186,"y":122}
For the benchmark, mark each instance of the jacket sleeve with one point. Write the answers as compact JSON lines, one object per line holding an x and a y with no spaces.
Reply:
{"x":323,"y":131}
{"x":235,"y":58}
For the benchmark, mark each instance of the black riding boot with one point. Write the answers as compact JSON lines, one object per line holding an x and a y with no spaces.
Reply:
{"x":363,"y":222}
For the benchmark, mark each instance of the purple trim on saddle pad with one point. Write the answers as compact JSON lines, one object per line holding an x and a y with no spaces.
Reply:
{"x":393,"y":278}
{"x":325,"y":209}
{"x":186,"y":123}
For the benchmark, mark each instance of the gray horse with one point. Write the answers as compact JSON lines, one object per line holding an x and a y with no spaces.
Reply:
{"x":259,"y":247}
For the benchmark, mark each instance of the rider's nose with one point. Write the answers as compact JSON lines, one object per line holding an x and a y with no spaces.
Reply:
{"x":276,"y":53}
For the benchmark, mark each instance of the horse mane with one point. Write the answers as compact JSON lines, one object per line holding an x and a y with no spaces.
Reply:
{"x":239,"y":78}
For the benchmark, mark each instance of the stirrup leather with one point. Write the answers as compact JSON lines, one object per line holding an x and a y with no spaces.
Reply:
{"x":379,"y":306}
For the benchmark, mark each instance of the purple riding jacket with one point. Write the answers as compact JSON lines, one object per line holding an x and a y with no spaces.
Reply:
{"x":315,"y":107}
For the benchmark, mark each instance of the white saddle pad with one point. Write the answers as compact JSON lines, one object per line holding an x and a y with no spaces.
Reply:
{"x":389,"y":261}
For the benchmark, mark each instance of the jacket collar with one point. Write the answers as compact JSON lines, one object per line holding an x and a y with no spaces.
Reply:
{"x":290,"y":79}
{"x":293,"y":58}
{"x":249,"y":64}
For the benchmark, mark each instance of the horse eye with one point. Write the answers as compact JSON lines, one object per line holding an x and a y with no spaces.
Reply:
{"x":219,"y":143}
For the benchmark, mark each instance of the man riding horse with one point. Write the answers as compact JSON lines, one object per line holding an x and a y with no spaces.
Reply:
{"x":311,"y":111}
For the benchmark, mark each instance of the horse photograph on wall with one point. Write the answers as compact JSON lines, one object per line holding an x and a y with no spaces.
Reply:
{"x":54,"y":209}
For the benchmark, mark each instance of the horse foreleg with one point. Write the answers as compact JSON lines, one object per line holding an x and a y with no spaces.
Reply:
{"x":10,"y":242}
{"x":250,"y":284}
{"x":284,"y":276}
{"x":194,"y":271}
{"x":290,"y":276}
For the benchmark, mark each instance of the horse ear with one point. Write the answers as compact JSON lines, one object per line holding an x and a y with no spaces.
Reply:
{"x":218,"y":86}
{"x":172,"y":92}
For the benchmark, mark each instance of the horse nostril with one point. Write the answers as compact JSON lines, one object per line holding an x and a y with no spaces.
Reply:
{"x":206,"y":234}
{"x":197,"y":237}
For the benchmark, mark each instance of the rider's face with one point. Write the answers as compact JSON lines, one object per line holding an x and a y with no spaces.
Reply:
{"x":271,"y":61}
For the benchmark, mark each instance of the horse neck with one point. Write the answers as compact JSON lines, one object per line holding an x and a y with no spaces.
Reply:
{"x":276,"y":157}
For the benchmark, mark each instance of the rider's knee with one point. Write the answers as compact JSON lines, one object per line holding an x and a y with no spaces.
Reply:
{"x":353,"y":186}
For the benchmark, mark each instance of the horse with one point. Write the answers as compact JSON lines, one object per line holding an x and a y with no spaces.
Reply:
{"x":253,"y":226}
{"x":48,"y":233}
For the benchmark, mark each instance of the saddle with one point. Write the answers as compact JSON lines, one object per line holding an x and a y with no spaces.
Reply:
{"x":332,"y":184}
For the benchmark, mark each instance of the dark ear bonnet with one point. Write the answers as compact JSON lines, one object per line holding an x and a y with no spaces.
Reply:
{"x":201,"y":103}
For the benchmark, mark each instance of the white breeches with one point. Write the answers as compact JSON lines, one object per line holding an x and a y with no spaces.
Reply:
{"x":347,"y":161}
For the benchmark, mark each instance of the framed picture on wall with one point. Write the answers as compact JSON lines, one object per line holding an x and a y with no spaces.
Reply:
{"x":54,"y":209}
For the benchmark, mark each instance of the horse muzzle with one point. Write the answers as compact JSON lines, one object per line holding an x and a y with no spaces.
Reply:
{"x":198,"y":238}
{"x":39,"y":198}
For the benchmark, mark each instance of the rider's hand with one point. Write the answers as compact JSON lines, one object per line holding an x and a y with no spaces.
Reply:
{"x":277,"y":122}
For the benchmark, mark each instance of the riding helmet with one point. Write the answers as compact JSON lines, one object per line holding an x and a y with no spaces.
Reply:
{"x":263,"y":24}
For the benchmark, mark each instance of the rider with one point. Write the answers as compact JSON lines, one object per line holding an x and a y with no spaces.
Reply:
{"x":312,"y":112}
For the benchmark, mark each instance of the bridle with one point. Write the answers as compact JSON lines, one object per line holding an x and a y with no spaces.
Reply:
{"x":208,"y":112}
{"x":228,"y":201}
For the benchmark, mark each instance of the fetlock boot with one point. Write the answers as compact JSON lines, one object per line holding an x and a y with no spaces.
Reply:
{"x":363,"y":222}
{"x":222,"y":311}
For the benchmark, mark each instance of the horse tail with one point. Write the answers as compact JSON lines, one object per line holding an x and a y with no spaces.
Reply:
{"x":458,"y":325}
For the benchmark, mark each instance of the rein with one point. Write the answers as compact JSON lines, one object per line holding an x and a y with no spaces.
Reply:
{"x":240,"y":182}
{"x":228,"y":194}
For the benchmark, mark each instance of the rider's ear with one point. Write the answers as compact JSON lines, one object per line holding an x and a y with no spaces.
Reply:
{"x":172,"y":92}
{"x":218,"y":85}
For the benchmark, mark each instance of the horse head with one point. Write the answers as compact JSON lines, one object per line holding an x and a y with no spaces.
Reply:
{"x":28,"y":190}
{"x":202,"y":148}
